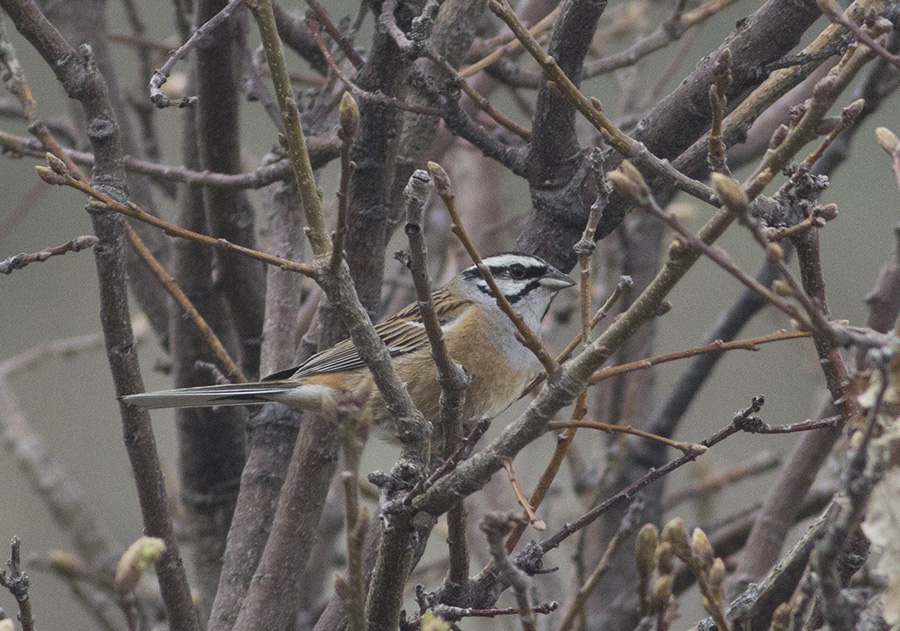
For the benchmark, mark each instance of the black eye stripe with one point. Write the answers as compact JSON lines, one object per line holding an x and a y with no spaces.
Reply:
{"x":511,"y":298}
{"x":531,"y":272}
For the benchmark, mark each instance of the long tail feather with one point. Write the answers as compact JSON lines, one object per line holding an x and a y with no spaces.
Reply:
{"x":291,"y":393}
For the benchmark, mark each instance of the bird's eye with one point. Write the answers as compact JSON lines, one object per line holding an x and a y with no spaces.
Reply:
{"x":517,"y":271}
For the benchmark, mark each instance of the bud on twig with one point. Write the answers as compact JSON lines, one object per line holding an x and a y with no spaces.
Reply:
{"x":349,"y":117}
{"x":675,"y":533}
{"x":701,"y":549}
{"x":441,"y":179}
{"x":646,"y":544}
{"x":59,"y":167}
{"x":664,"y":556}
{"x":888,"y":141}
{"x":662,"y":591}
{"x":50,"y":176}
{"x":730,"y":192}
{"x":139,"y":556}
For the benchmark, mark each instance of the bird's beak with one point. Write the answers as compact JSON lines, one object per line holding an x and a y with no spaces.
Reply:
{"x":554,"y":279}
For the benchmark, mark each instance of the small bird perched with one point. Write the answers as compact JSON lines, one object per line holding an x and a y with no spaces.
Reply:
{"x":478,"y":335}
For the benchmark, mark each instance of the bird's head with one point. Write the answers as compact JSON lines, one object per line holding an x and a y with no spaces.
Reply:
{"x":528,"y":282}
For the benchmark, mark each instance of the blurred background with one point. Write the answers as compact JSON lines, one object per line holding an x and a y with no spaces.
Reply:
{"x":69,"y":400}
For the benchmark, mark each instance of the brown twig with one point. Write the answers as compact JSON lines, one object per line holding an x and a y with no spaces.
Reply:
{"x":349,"y":120}
{"x":592,"y":111}
{"x":671,"y":30}
{"x":270,"y":603}
{"x":545,"y":23}
{"x":685,"y":448}
{"x":495,"y":527}
{"x":462,"y":452}
{"x":17,"y":262}
{"x":130,"y":210}
{"x":761,"y":463}
{"x":20,"y":87}
{"x":833,"y":12}
{"x":78,"y":74}
{"x":625,"y":283}
{"x":631,"y":490}
{"x":343,"y":43}
{"x":230,"y":368}
{"x":528,"y":338}
{"x":16,"y":581}
{"x":160,"y":76}
{"x":584,"y":248}
{"x":629,"y":181}
{"x":825,"y":94}
{"x":818,"y":216}
{"x":453,"y":378}
{"x":357,"y":91}
{"x":562,"y":445}
{"x":322,"y":149}
{"x":733,"y":198}
{"x":450,"y":613}
{"x":537,"y":524}
{"x":65,"y":500}
{"x":584,"y":591}
{"x":748,"y":344}
{"x":480,"y":102}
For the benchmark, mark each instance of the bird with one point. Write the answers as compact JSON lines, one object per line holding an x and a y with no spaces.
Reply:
{"x":478,"y":334}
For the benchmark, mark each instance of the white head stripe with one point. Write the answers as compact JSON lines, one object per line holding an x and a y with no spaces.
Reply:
{"x":504,"y":260}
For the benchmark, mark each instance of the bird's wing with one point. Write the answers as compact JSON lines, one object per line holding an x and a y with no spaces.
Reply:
{"x":402,"y":333}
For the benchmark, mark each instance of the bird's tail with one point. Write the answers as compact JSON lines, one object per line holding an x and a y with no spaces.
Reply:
{"x":291,"y":393}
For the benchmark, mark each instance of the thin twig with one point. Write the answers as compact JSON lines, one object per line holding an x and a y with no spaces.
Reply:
{"x":322,"y":149}
{"x":528,"y":338}
{"x":78,"y":74}
{"x":733,"y":198}
{"x":626,"y":527}
{"x":17,"y":581}
{"x":833,"y":12}
{"x":230,"y":368}
{"x":562,"y":444}
{"x":629,"y":181}
{"x":748,"y":344}
{"x":161,"y":76}
{"x":495,"y":527}
{"x":592,"y":111}
{"x":357,"y":91}
{"x":685,"y":448}
{"x":17,"y":262}
{"x":349,"y":120}
{"x":343,"y":43}
{"x":666,"y":33}
{"x":452,"y":377}
{"x":628,"y":493}
{"x":462,"y":452}
{"x":480,"y":102}
{"x":130,"y":210}
{"x":450,"y":613}
{"x":545,"y":23}
{"x":762,"y":462}
{"x":536,"y":523}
